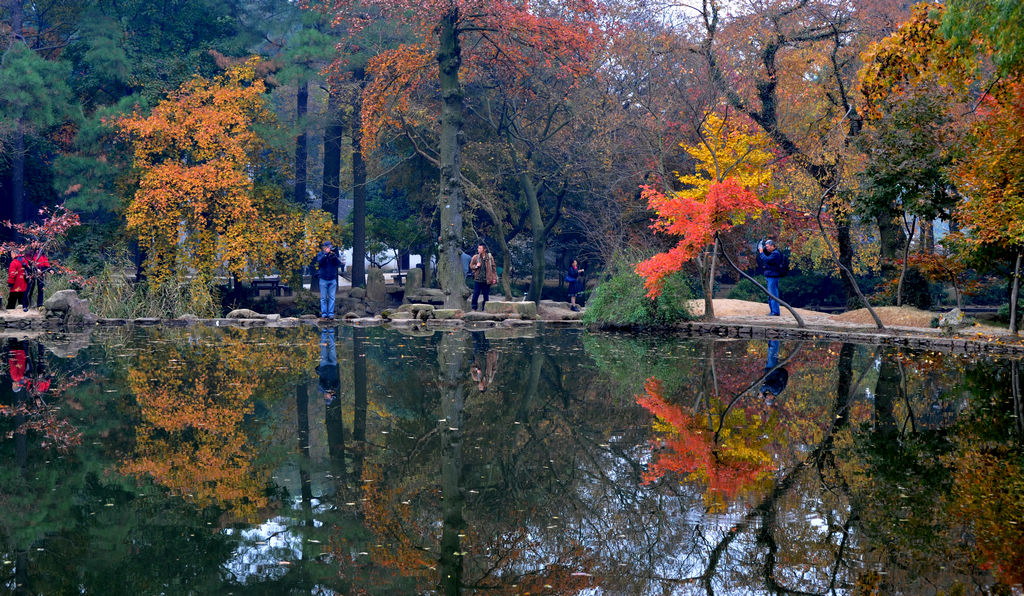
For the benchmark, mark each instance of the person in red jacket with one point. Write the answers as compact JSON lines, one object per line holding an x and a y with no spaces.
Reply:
{"x":16,"y":282}
{"x":38,"y":266}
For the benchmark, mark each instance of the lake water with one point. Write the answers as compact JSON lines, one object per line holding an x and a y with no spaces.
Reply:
{"x":354,"y":461}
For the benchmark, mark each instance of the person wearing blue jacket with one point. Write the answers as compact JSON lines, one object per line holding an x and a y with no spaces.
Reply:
{"x":326,"y":265}
{"x":771,"y":261}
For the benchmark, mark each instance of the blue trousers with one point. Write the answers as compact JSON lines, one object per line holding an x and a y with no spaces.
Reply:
{"x":773,"y":288}
{"x":328,"y":288}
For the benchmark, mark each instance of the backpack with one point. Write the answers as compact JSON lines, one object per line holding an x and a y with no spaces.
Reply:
{"x":784,"y":267}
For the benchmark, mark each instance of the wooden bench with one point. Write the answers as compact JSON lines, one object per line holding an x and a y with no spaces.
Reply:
{"x":271,"y":284}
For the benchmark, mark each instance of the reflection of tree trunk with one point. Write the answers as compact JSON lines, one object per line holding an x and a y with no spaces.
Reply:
{"x":1018,"y":408}
{"x":20,"y":435}
{"x":532,"y":383}
{"x":843,"y":384}
{"x":335,"y":432}
{"x":302,"y":413}
{"x":887,"y":393}
{"x":359,"y":406}
{"x":450,"y":352}
{"x":21,"y":577}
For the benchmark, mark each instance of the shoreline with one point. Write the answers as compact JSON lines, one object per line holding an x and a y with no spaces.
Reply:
{"x":920,"y":339}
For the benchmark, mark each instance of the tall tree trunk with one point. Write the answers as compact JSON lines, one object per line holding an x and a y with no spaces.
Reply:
{"x":928,"y":236}
{"x":358,"y":186}
{"x":18,"y":173}
{"x":1014,"y":294}
{"x":540,"y":232}
{"x":333,"y":133}
{"x":301,"y":106}
{"x":906,"y":256}
{"x":450,"y":199}
{"x":890,"y":243}
{"x":845,"y":246}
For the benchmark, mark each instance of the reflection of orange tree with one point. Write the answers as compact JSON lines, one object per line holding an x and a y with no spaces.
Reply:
{"x":731,"y":462}
{"x":193,"y":400}
{"x":988,"y":491}
{"x":391,"y":520}
{"x":497,"y":556}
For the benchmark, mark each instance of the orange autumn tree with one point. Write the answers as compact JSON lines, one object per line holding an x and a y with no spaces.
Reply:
{"x":731,"y":165}
{"x":992,"y":180}
{"x":206,"y":198}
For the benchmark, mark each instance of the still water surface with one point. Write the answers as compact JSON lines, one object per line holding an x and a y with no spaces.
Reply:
{"x":353,"y":461}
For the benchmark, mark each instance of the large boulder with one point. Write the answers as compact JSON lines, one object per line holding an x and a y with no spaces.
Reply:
{"x":244,"y":313}
{"x":414,"y":279}
{"x":953,"y":320}
{"x":447,"y":313}
{"x":376,"y":291}
{"x":528,"y":310}
{"x":425,"y":296}
{"x":550,"y":310}
{"x":68,"y":305}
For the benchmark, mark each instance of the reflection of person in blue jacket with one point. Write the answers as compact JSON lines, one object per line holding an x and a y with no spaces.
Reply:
{"x":328,"y":368}
{"x":776,"y":376}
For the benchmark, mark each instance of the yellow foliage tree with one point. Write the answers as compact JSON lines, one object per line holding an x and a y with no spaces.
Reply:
{"x":725,"y":151}
{"x":204,"y":200}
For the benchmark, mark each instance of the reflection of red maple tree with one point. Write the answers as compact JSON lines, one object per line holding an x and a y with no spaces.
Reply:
{"x":730,"y":463}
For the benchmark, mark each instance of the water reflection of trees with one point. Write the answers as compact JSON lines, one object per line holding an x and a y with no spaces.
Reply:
{"x":875,"y":470}
{"x":556,"y":482}
{"x":194,"y":393}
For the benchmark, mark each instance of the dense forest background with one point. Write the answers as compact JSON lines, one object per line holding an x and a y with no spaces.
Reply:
{"x":198,"y":139}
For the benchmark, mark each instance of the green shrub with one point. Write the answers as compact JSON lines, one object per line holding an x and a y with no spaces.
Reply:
{"x":622,"y":301}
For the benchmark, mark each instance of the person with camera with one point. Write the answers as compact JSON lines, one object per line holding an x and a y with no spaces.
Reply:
{"x":772,"y":263}
{"x":326,"y":266}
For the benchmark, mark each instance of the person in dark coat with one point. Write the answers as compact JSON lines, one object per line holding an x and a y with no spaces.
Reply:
{"x":771,"y":261}
{"x":326,"y":265}
{"x":38,"y":267}
{"x":574,"y":275}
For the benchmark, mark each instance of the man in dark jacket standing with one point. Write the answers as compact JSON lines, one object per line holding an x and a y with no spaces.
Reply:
{"x":771,"y":261}
{"x":326,"y":264}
